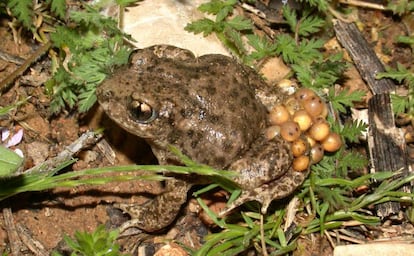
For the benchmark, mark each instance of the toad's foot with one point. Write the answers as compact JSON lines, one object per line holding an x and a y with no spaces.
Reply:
{"x":268,"y":192}
{"x":158,"y":213}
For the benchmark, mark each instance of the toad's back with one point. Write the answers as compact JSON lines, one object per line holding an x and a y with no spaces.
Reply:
{"x":206,"y":108}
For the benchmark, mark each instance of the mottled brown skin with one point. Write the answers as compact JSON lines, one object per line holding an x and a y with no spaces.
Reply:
{"x":213,"y":110}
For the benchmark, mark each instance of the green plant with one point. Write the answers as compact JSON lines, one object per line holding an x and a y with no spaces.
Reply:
{"x":329,"y":192}
{"x":89,"y":46}
{"x":89,"y":52}
{"x":310,"y":66}
{"x":402,"y":104}
{"x":400,"y":7}
{"x":98,"y":243}
{"x":93,"y":46}
{"x":330,"y":202}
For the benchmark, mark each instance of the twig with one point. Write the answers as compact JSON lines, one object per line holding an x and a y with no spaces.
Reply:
{"x":5,"y":84}
{"x":346,"y":238}
{"x":11,"y":58}
{"x":363,"y":4}
{"x":85,"y":140}
{"x":34,"y":245}
{"x":363,"y":56}
{"x":14,"y":240}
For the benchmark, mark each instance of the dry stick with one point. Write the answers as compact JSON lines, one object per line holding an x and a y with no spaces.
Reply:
{"x":363,"y":56}
{"x":87,"y":139}
{"x":19,"y":235}
{"x":15,"y":243}
{"x":6,"y":83}
{"x":34,"y":245}
{"x":386,"y":143}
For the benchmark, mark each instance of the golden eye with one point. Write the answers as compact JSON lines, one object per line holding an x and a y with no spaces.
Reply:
{"x":142,"y":112}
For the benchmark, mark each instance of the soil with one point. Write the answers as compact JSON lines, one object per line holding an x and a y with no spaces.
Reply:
{"x":49,"y":215}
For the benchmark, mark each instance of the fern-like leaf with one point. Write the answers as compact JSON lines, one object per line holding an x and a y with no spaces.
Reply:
{"x":310,"y":24}
{"x":322,"y":5}
{"x":58,"y":7}
{"x":239,"y":23}
{"x":344,"y":99}
{"x":205,"y":26}
{"x":23,"y":11}
{"x":351,"y":131}
{"x":262,"y":46}
{"x":400,"y":75}
{"x":400,"y":104}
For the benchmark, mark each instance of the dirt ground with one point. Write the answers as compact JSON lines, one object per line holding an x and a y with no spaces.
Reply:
{"x":49,"y":215}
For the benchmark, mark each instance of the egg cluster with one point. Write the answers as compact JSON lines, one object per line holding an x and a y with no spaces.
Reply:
{"x":301,"y":120}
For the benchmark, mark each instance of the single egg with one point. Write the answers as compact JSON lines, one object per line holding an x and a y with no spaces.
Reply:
{"x":303,"y":119}
{"x":314,"y":106}
{"x":300,"y":163}
{"x":272,"y":131}
{"x":310,"y":141}
{"x":319,"y":130}
{"x":316,"y":153}
{"x":278,"y":115}
{"x":332,"y":143}
{"x":303,"y":94}
{"x":299,"y":147}
{"x":289,"y":131}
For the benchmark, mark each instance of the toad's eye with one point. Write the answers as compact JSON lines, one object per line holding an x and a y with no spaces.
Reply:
{"x":142,"y":112}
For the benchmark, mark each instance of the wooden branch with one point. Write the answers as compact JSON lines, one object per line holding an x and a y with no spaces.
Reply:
{"x":386,"y":142}
{"x":16,"y":245}
{"x":363,"y":56}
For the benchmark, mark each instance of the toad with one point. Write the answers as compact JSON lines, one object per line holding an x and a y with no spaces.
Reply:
{"x":214,"y":110}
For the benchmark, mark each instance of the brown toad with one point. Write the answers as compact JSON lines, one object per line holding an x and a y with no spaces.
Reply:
{"x":212,"y":109}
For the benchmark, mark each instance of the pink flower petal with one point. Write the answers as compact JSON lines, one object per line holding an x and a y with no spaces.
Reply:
{"x":5,"y":133}
{"x":15,"y":139}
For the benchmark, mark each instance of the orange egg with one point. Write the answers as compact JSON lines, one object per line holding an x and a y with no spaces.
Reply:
{"x":325,"y":111}
{"x":272,"y":131}
{"x":303,"y":119}
{"x":332,"y":143}
{"x":310,"y":141}
{"x":316,"y":153}
{"x":299,"y":147}
{"x":300,"y":163}
{"x":314,"y":106}
{"x":319,"y":130}
{"x":303,"y":94}
{"x":278,"y":115}
{"x":290,"y":131}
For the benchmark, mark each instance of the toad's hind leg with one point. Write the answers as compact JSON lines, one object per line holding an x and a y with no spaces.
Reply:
{"x":266,"y":193}
{"x":158,"y":213}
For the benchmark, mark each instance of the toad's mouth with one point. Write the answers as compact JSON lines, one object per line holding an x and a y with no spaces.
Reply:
{"x":141,"y":112}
